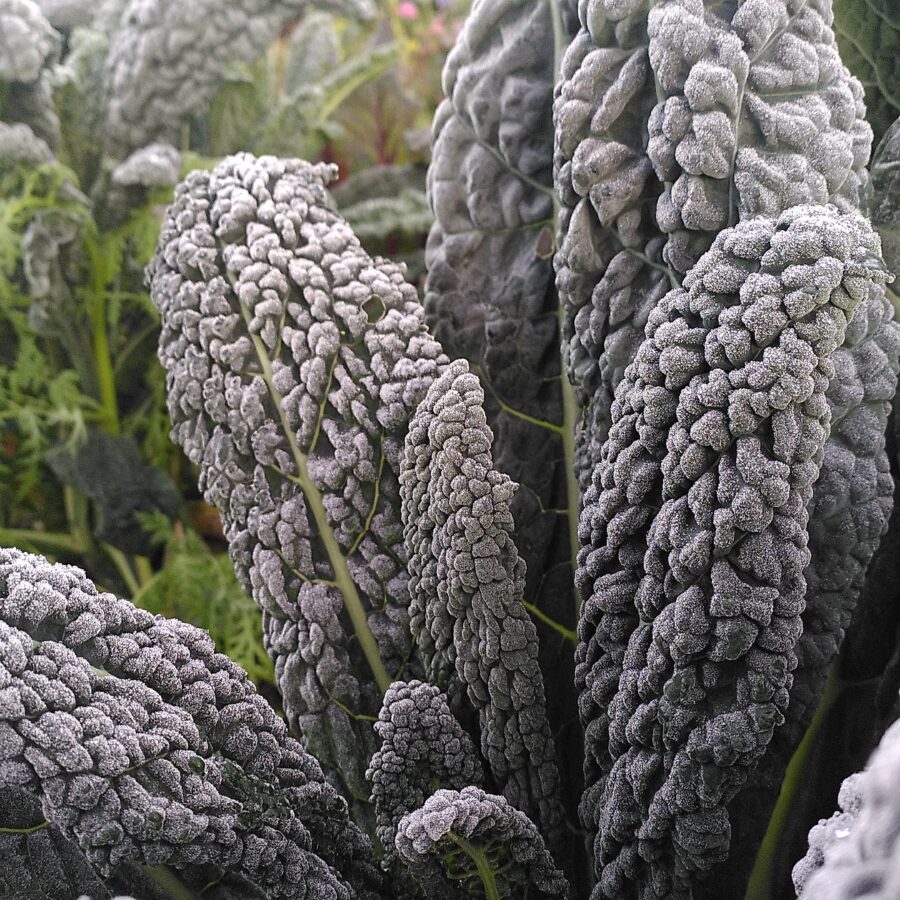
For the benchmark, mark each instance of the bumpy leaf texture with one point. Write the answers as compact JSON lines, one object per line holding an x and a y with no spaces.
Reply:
{"x":423,"y":748}
{"x":856,"y":853}
{"x":167,"y":59}
{"x":456,"y":835}
{"x":852,"y":499}
{"x":28,"y":46}
{"x":294,"y":362}
{"x":849,"y":513}
{"x":674,"y":120}
{"x":868,"y":35}
{"x":694,"y":536}
{"x":145,"y":744}
{"x":885,"y":207}
{"x":490,"y":295}
{"x":121,"y":772}
{"x":466,"y":583}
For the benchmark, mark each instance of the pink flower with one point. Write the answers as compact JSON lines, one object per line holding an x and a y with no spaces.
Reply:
{"x":407,"y":10}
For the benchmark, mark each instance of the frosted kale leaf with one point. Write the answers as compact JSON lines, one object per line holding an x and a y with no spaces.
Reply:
{"x":423,"y":748}
{"x":174,"y":667}
{"x":830,"y":831}
{"x":294,"y":361}
{"x":774,"y":70}
{"x":490,"y":296}
{"x":695,"y":542}
{"x":852,"y":499}
{"x":885,"y":207}
{"x":20,"y":145}
{"x":868,"y":35}
{"x":53,"y":253}
{"x":125,"y":775}
{"x":609,"y":266}
{"x":466,"y":583}
{"x":476,"y":842}
{"x":133,"y":181}
{"x":26,"y":41}
{"x":854,"y":854}
{"x":167,"y":59}
{"x":156,"y":165}
{"x":848,"y":515}
{"x":28,"y":47}
{"x":200,"y":771}
{"x":675,"y":120}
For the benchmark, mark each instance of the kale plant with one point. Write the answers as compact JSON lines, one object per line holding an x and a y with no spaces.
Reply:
{"x":101,"y":113}
{"x":577,"y":579}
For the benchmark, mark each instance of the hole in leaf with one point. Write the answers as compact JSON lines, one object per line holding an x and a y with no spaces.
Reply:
{"x":543,"y":247}
{"x":374,"y":309}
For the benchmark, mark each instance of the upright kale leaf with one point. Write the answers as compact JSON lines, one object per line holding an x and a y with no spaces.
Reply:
{"x":466,"y":583}
{"x":674,"y":120}
{"x":490,"y":295}
{"x":294,"y":362}
{"x":695,"y":539}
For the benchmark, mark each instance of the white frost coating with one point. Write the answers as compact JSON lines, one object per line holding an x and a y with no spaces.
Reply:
{"x":466,"y":578}
{"x":68,"y":13}
{"x":168,"y":58}
{"x":19,"y":144}
{"x":26,"y":40}
{"x":255,"y":241}
{"x":156,"y":165}
{"x":694,"y":536}
{"x":676,"y":119}
{"x":856,"y":853}
{"x":487,"y":822}
{"x":756,"y":115}
{"x":105,"y":675}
